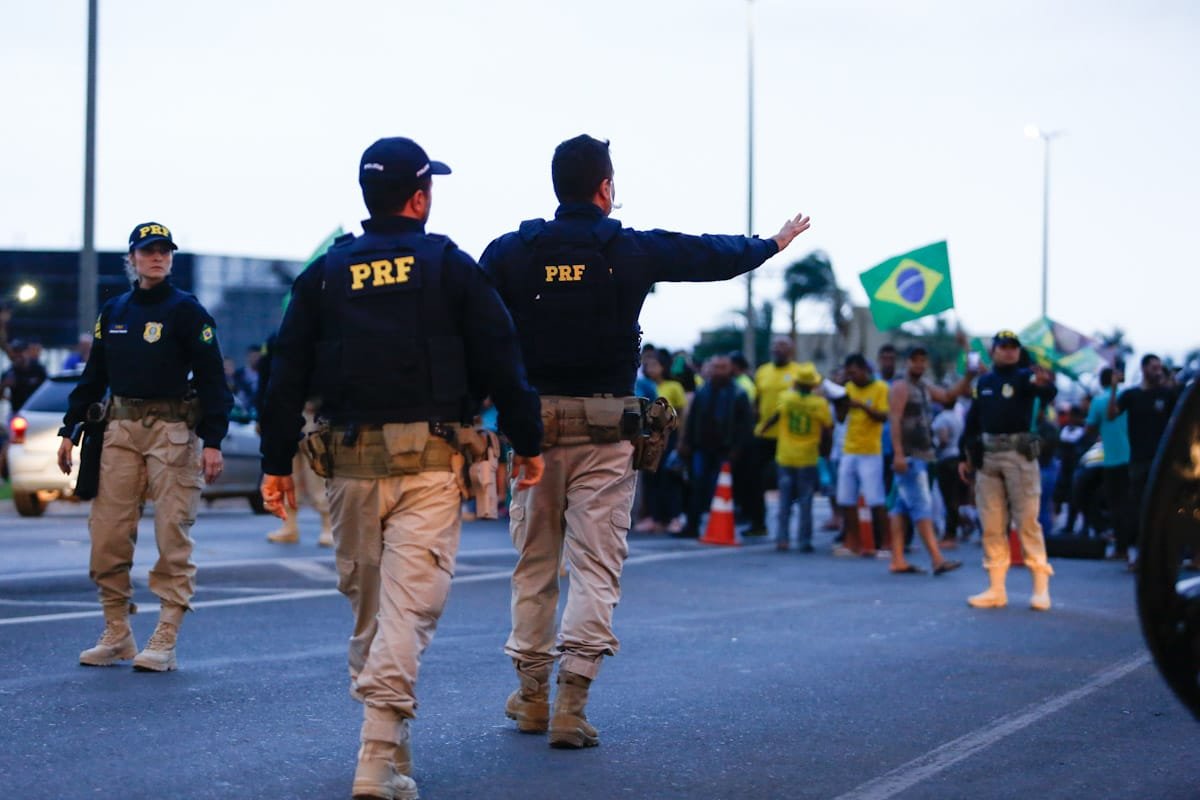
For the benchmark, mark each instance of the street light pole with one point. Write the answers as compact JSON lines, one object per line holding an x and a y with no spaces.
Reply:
{"x":748,"y":338}
{"x":87,"y":256}
{"x":1034,"y":132}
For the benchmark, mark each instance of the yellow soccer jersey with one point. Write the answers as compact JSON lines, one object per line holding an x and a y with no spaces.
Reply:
{"x":864,"y":436}
{"x":801,"y":419}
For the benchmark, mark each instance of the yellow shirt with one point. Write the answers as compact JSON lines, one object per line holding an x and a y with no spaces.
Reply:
{"x":864,"y":436}
{"x":771,"y":381}
{"x":672,"y":392}
{"x":802,"y":417}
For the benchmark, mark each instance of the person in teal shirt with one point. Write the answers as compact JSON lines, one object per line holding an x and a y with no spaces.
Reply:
{"x":1114,"y":436}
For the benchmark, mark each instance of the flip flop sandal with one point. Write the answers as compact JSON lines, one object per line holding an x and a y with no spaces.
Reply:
{"x":946,"y":566}
{"x":909,"y":569}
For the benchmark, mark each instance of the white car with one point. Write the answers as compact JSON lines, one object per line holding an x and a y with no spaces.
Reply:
{"x":33,"y":453}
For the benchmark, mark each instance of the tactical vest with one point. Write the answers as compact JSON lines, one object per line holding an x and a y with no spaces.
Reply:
{"x":566,"y":304}
{"x":390,"y":346}
{"x":146,"y":354}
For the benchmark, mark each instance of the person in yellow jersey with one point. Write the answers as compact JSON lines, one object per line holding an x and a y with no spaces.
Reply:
{"x":755,"y":473}
{"x":802,"y":417}
{"x":860,"y":472}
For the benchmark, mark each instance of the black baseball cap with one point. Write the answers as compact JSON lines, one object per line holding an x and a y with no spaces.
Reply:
{"x":396,"y":160}
{"x":1006,"y":337}
{"x":148,"y":232}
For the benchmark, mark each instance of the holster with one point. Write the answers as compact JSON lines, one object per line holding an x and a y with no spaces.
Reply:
{"x":658,"y":420}
{"x":316,"y":448}
{"x":87,"y":481}
{"x":482,"y":448}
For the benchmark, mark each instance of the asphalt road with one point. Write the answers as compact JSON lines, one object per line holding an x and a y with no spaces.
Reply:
{"x":743,"y":673}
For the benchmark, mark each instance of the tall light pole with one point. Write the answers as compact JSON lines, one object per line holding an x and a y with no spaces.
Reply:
{"x":1034,"y":132}
{"x":87,"y":255}
{"x":748,"y":338}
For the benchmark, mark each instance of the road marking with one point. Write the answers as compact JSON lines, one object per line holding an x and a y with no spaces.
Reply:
{"x":71,"y":603}
{"x":942,"y":758}
{"x":313,"y":570}
{"x":306,"y":594}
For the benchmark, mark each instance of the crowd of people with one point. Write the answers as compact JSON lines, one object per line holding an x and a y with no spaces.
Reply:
{"x":892,"y":440}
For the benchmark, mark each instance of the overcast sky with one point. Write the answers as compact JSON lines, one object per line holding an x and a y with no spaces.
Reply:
{"x":239,"y":123}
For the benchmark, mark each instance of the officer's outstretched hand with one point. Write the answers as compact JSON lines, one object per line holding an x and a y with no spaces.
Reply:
{"x":278,"y":494}
{"x":528,"y":470}
{"x":791,"y":229}
{"x":64,"y":455}
{"x":965,"y":472}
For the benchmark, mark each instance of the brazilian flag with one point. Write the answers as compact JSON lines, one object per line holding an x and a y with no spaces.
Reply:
{"x":909,"y":286}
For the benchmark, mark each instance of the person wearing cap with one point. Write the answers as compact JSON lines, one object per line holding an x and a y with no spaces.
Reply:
{"x":802,"y":420}
{"x":1002,"y":454}
{"x":575,"y":286}
{"x":910,"y":411}
{"x":162,"y":442}
{"x":400,"y":335}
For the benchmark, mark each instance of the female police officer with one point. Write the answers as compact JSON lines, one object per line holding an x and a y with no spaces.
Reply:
{"x":146,"y":342}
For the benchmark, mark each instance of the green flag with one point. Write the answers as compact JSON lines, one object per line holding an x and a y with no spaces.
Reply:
{"x":323,"y":246}
{"x":909,"y":286}
{"x":320,"y":251}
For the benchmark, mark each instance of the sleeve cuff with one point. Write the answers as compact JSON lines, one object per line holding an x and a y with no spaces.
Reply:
{"x":212,"y":445}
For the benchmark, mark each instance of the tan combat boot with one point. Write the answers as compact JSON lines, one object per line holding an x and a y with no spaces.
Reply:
{"x":378,"y":775}
{"x":159,"y":653}
{"x":569,"y":727}
{"x":1040,"y":600}
{"x":530,"y":704}
{"x":115,"y":644}
{"x":995,"y":596}
{"x":288,"y":533}
{"x":326,"y":538}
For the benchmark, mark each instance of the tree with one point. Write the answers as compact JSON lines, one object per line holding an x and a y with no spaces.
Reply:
{"x":810,"y":277}
{"x":1114,"y":345}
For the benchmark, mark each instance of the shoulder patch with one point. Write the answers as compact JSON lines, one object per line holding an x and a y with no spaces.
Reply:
{"x":207,"y":335}
{"x":98,"y":333}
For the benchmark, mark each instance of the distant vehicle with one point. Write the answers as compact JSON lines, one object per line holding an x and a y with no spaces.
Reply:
{"x":33,"y":453}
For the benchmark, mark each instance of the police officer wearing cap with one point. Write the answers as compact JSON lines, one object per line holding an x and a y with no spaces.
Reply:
{"x":575,"y":286}
{"x":400,"y":335}
{"x":146,"y":342}
{"x":1002,"y":451}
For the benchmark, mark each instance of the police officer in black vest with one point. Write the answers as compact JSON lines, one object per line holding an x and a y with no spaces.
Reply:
{"x":400,"y":336}
{"x":146,"y":342}
{"x":1003,"y":450}
{"x":575,"y":286}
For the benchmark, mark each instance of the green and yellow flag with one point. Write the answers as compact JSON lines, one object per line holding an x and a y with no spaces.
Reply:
{"x":909,"y":286}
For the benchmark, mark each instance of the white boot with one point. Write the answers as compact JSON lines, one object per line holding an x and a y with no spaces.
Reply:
{"x":1040,"y":600}
{"x":288,"y":533}
{"x":326,"y":539}
{"x":995,"y":596}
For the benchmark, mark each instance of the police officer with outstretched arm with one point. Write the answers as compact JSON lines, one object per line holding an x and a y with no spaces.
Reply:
{"x":575,"y":286}
{"x":400,"y":335}
{"x":146,"y":342}
{"x":1003,"y":452}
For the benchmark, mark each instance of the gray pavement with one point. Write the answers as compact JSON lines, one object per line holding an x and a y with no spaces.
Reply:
{"x":743,"y":673}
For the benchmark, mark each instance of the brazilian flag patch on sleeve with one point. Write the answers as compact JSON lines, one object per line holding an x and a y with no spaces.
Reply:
{"x":207,"y":334}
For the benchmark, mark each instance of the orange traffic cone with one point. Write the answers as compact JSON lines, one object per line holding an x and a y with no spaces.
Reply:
{"x":862,"y":541}
{"x":720,"y":528}
{"x":1017,"y":559}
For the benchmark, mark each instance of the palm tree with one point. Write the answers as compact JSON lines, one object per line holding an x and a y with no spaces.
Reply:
{"x":810,"y":277}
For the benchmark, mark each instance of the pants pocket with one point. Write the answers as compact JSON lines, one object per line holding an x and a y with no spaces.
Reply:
{"x":345,"y":574}
{"x":181,"y":445}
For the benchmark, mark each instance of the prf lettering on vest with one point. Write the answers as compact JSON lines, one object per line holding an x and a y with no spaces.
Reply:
{"x":383,"y":272}
{"x":565,"y":272}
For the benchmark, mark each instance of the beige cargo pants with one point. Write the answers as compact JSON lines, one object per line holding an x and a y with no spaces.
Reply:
{"x":396,"y":540}
{"x":582,"y":505}
{"x":1008,"y":484}
{"x":160,"y":461}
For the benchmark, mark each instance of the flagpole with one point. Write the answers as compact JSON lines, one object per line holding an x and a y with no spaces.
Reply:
{"x":1034,"y":132}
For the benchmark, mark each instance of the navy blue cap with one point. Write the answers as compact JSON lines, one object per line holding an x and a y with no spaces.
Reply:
{"x":1006,"y":337}
{"x":397,"y":160}
{"x":148,"y":232}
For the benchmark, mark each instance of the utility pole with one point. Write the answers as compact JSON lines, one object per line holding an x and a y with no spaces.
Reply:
{"x":87,"y":256}
{"x":748,"y":339}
